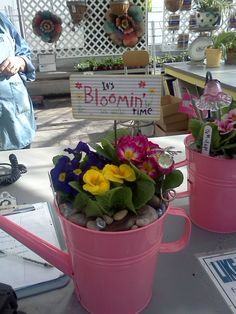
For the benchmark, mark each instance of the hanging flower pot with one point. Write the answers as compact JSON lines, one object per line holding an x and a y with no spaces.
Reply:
{"x":119,"y":7}
{"x":173,"y":5}
{"x":47,"y":26}
{"x":127,"y":29}
{"x":209,"y":20}
{"x":77,"y":10}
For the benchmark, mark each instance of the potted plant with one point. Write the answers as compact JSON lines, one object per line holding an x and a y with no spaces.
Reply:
{"x":112,"y":201}
{"x":209,"y":12}
{"x":215,"y":52}
{"x":228,"y":41}
{"x":211,"y":160}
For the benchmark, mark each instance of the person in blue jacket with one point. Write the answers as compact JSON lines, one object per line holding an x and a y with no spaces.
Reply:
{"x":17,"y":121}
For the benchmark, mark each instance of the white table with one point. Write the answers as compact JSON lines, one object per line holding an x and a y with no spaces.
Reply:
{"x":181,"y":284}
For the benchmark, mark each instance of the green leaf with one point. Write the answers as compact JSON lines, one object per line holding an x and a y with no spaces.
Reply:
{"x":81,"y":201}
{"x":195,"y":126}
{"x":107,"y":150}
{"x":215,"y":138}
{"x":93,"y":209}
{"x":56,"y":158}
{"x":173,"y":180}
{"x":75,"y":185}
{"x":229,"y":136}
{"x":143,"y":191}
{"x":116,"y":199}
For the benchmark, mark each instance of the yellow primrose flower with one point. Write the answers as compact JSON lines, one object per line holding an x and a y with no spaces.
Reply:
{"x":95,"y":182}
{"x":119,"y":174}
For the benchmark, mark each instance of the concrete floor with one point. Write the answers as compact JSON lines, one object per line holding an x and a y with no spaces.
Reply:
{"x":57,"y":127}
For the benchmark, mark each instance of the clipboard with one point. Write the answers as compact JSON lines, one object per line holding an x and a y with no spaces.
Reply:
{"x":29,"y":278}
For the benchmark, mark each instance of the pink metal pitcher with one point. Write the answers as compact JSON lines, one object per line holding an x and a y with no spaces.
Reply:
{"x":112,"y":272}
{"x":211,"y":190}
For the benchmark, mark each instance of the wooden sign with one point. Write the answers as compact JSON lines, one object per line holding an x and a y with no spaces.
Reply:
{"x":116,"y":97}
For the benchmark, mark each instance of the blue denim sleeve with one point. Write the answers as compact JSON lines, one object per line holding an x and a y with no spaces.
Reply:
{"x":21,"y":49}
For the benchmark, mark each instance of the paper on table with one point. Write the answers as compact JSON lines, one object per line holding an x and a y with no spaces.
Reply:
{"x":20,"y":273}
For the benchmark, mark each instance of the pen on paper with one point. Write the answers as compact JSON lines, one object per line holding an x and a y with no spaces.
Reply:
{"x":27,"y":259}
{"x":20,"y":210}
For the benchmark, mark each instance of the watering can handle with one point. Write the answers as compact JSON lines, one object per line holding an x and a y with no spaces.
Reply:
{"x":171,"y":247}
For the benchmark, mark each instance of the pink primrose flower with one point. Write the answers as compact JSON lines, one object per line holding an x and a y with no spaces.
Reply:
{"x":232,"y":115}
{"x":150,"y":167}
{"x":225,"y":126}
{"x":132,"y":148}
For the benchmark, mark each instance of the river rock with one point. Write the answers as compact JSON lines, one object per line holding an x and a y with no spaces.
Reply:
{"x":108,"y":219}
{"x":155,"y":201}
{"x":91,"y":224}
{"x":120,"y":214}
{"x":79,"y":219}
{"x":122,"y":225}
{"x":147,"y":215}
{"x":67,"y":210}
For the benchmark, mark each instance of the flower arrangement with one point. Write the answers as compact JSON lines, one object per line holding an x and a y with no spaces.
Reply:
{"x":47,"y":26}
{"x":214,"y":125}
{"x":125,"y":30}
{"x":121,"y":184}
{"x":223,"y":133}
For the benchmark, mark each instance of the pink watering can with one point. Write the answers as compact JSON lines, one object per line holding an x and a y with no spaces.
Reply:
{"x":211,"y":190}
{"x":112,"y":272}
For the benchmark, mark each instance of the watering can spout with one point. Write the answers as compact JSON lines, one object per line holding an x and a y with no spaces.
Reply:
{"x":49,"y":252}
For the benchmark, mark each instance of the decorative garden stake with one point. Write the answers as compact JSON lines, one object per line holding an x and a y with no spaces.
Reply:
{"x":213,"y":97}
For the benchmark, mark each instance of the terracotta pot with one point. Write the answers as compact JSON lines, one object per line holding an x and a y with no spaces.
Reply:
{"x":173,"y":5}
{"x":119,"y":7}
{"x":77,"y":10}
{"x":213,"y":57}
{"x":230,"y":57}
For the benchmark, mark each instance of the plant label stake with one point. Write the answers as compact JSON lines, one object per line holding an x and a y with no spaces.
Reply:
{"x":206,"y":143}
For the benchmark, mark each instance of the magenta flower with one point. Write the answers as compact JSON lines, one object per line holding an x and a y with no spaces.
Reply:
{"x":131,"y":148}
{"x":150,"y":167}
{"x":232,"y":115}
{"x":225,"y":126}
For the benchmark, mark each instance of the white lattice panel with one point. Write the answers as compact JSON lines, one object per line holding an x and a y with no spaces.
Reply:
{"x":87,"y":39}
{"x":170,"y":36}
